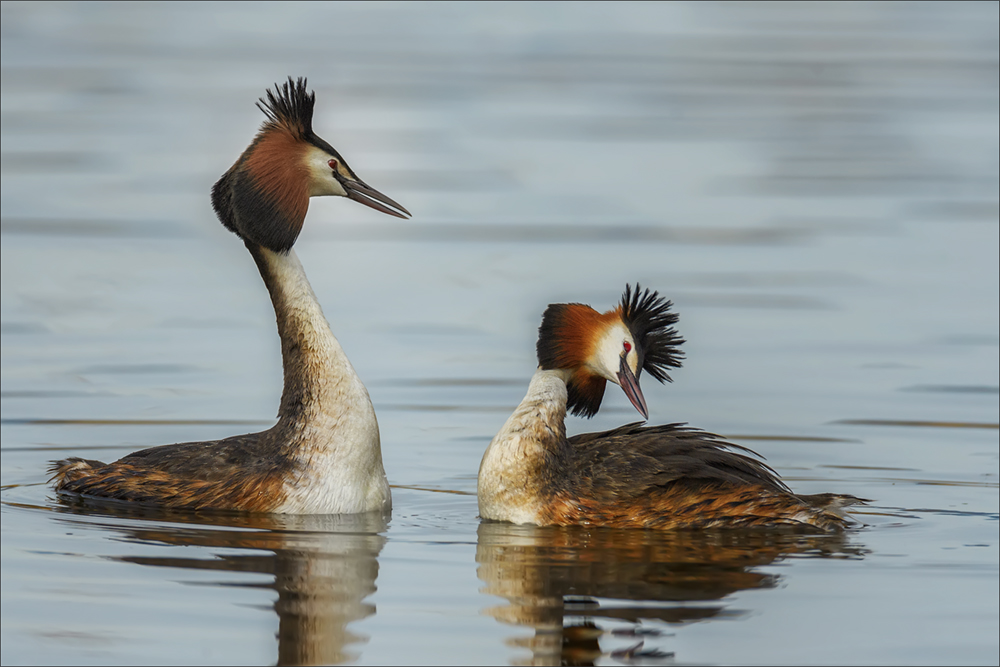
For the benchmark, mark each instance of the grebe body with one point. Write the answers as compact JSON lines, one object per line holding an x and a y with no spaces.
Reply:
{"x":634,"y":476}
{"x":324,"y":454}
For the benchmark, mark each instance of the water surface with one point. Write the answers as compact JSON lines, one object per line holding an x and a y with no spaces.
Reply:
{"x":814,"y":186}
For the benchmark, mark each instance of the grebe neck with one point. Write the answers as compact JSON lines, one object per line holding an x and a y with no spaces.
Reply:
{"x":326,"y":419}
{"x":541,"y":415}
{"x":527,"y":452}
{"x":318,"y":377}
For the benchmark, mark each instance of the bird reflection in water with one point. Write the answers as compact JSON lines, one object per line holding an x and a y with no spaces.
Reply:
{"x":575,"y":585}
{"x":324,"y":566}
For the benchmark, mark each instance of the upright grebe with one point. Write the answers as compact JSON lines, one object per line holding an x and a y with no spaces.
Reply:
{"x":324,"y":455}
{"x":667,"y":477}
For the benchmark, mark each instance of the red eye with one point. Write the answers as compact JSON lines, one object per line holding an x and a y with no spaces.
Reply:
{"x":627,"y":346}
{"x":333,"y":164}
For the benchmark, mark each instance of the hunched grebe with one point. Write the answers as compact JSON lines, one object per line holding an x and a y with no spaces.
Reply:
{"x":634,"y":476}
{"x":324,"y":455}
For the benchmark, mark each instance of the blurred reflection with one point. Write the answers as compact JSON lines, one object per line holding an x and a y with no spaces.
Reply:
{"x":575,"y":585}
{"x":324,"y":566}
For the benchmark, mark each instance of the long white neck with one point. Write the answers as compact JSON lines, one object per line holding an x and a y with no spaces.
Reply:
{"x":325,"y":409}
{"x":526,"y":452}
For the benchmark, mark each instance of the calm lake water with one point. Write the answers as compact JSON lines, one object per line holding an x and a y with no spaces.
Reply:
{"x":814,"y":186}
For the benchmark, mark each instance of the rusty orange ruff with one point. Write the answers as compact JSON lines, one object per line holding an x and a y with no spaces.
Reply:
{"x":577,"y":334}
{"x":277,"y":166}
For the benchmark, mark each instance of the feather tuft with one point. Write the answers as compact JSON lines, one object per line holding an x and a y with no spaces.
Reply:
{"x":289,"y":107}
{"x":648,"y":317}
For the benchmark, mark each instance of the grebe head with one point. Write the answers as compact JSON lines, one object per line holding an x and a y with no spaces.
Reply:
{"x":263,"y":198}
{"x":617,"y":345}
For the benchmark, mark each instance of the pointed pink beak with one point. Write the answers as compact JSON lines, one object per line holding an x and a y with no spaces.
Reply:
{"x":630,"y":385}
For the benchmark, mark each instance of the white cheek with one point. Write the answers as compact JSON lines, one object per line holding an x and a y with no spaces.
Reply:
{"x":328,"y":186}
{"x":608,"y":353}
{"x":633,"y":361}
{"x":321,"y":180}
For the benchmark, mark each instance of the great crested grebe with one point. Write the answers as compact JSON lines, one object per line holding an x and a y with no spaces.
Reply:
{"x":324,"y":455}
{"x":634,"y":476}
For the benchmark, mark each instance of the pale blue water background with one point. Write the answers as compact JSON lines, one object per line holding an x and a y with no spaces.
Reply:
{"x":815,"y":187}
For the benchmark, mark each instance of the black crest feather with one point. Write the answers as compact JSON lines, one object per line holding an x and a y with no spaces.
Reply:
{"x":648,"y":317}
{"x":289,"y":106}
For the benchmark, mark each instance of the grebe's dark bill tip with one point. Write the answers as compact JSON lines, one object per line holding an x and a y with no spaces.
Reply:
{"x":363,"y":194}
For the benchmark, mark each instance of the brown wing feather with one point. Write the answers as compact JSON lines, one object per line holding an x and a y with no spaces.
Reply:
{"x":673,"y":476}
{"x":632,"y":459}
{"x":243,"y":472}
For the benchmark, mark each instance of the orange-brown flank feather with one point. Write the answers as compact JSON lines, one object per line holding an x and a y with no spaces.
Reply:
{"x":238,"y":473}
{"x":684,"y":507}
{"x":121,"y":481}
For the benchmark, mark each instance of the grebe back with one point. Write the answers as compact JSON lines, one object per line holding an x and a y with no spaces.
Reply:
{"x":324,"y":454}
